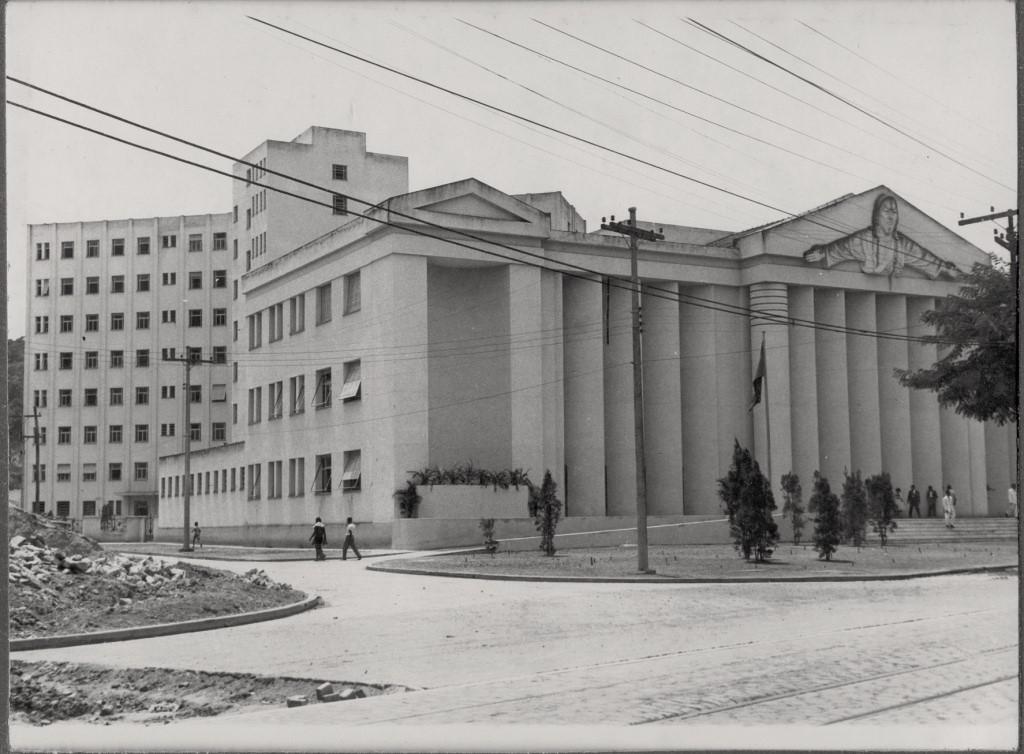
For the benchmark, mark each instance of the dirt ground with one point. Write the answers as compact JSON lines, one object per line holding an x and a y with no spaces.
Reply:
{"x":46,"y":692}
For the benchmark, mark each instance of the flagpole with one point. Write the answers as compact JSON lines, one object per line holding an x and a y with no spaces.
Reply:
{"x":767,"y":416}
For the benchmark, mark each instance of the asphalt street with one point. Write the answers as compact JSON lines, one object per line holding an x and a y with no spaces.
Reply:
{"x":929,"y":663}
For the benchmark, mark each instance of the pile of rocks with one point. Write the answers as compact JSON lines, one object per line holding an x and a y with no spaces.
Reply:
{"x":325,"y":693}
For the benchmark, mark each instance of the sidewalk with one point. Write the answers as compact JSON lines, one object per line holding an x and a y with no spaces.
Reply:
{"x":237,"y":552}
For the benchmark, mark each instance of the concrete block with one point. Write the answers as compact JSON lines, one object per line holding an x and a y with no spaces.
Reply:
{"x":297,"y":701}
{"x":347,"y":694}
{"x":332,"y":697}
{"x":323,"y":689}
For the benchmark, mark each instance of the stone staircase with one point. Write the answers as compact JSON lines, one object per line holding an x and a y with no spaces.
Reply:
{"x":967,"y":530}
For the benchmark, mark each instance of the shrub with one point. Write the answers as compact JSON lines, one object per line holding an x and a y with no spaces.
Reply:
{"x":749,"y":503}
{"x":546,"y":510}
{"x":793,"y":505}
{"x":487,"y":527}
{"x":853,"y":510}
{"x":827,"y":524}
{"x":467,"y":473}
{"x":882,"y":508}
{"x":408,"y":500}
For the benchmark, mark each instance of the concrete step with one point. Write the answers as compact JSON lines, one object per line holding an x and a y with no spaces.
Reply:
{"x":965,"y":529}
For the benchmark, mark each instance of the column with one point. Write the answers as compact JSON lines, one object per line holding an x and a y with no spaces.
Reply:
{"x":732,"y":374}
{"x":894,"y":399}
{"x":663,"y":441}
{"x":978,"y":491}
{"x":699,"y":397}
{"x":583,"y":349}
{"x":774,"y":409}
{"x":862,"y":376}
{"x":956,"y":458}
{"x":925,"y":430}
{"x":803,"y":382}
{"x":998,"y":467}
{"x":526,"y":326}
{"x":833,"y":395}
{"x":552,"y":386}
{"x":619,"y":429}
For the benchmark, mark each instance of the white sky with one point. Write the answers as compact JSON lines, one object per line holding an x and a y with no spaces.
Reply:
{"x":941,"y":71}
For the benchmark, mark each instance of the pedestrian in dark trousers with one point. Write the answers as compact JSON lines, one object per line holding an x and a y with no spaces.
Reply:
{"x":949,"y":507}
{"x":913,"y":502}
{"x":350,"y":540}
{"x":933,"y":498}
{"x":319,"y":538}
{"x":196,"y":531}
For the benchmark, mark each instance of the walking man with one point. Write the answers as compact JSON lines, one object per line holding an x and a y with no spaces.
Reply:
{"x":196,"y":531}
{"x":319,"y":538}
{"x":350,"y":540}
{"x":1011,"y":501}
{"x":949,"y":507}
{"x":932,"y":497}
{"x":913,"y":502}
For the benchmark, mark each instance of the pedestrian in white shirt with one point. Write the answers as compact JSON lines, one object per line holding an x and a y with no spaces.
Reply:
{"x":949,"y":507}
{"x":1011,"y":501}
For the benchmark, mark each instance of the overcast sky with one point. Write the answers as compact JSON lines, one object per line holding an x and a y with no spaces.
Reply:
{"x":943,"y":74}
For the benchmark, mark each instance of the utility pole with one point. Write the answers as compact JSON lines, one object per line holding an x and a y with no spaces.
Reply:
{"x":630,"y":229}
{"x":186,"y":545}
{"x":1007,"y":240}
{"x":35,"y":441}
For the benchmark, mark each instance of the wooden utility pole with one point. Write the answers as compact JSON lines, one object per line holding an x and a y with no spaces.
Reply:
{"x":186,"y":545}
{"x":35,"y":442}
{"x":630,"y":229}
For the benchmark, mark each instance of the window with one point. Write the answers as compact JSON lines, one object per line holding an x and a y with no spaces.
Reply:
{"x":220,"y":278}
{"x":116,"y":359}
{"x":219,"y":431}
{"x":276,"y":322}
{"x":275,"y":408}
{"x":297,"y":312}
{"x":117,"y":283}
{"x":248,"y":219}
{"x":142,"y":282}
{"x":169,"y":316}
{"x":63,"y":472}
{"x":220,"y":241}
{"x":89,"y":506}
{"x":195,"y":317}
{"x":234,"y":219}
{"x":353,"y":297}
{"x":142,"y":357}
{"x":43,"y":287}
{"x":232,"y":478}
{"x":141,"y":320}
{"x":88,"y":472}
{"x":195,"y":432}
{"x":297,"y":394}
{"x":218,"y":393}
{"x":322,"y":394}
{"x":167,"y":391}
{"x":142,"y":396}
{"x":351,"y":477}
{"x":65,"y":360}
{"x":194,"y":354}
{"x":169,"y":278}
{"x":92,"y":286}
{"x":67,"y":286}
{"x":117,"y":321}
{"x":255,"y":405}
{"x":195,"y":241}
{"x":117,"y":247}
{"x":220,"y":317}
{"x":254,"y":481}
{"x":67,"y":323}
{"x":195,"y":280}
{"x":39,"y":398}
{"x":220,"y":355}
{"x":169,"y":241}
{"x":167,"y":430}
{"x":64,"y":506}
{"x":92,"y":323}
{"x":234,"y":331}
{"x":340,"y":206}
{"x":323,"y":304}
{"x":92,"y":248}
{"x":195,"y":393}
{"x":115,"y":433}
{"x":296,"y":477}
{"x":63,"y":435}
{"x":91,"y":396}
{"x":39,"y":472}
{"x":142,"y":245}
{"x":64,"y":398}
{"x":274,"y":481}
{"x":42,"y":434}
{"x":339,"y":172}
{"x":255,"y":330}
{"x":39,"y":507}
{"x":117,"y":396}
{"x":42,"y":362}
{"x":141,"y":433}
{"x":234,"y":290}
{"x":141,"y":471}
{"x":67,"y":249}
{"x":350,"y":391}
{"x":42,"y":325}
{"x":42,"y":252}
{"x":322,"y":480}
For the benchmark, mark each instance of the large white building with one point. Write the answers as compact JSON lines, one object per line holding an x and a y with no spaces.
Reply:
{"x":369,"y":345}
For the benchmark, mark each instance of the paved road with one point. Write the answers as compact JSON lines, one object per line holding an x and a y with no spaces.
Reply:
{"x":929,"y":663}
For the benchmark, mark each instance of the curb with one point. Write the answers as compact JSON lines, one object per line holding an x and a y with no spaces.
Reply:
{"x":638,"y":579}
{"x":164,"y":629}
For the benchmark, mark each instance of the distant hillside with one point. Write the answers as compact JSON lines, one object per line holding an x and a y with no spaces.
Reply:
{"x":15,"y":382}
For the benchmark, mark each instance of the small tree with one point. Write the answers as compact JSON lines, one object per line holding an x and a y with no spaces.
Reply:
{"x":749,"y":502}
{"x":546,"y":510}
{"x":793,"y":505}
{"x":882,"y":508}
{"x":826,"y":521}
{"x":854,"y":510}
{"x":487,"y":527}
{"x":408,"y":500}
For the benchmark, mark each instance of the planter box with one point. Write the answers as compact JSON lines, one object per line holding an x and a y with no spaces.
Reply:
{"x":472,"y":502}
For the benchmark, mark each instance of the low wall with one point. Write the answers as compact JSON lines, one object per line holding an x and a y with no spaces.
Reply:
{"x":126,"y":529}
{"x":457,"y":501}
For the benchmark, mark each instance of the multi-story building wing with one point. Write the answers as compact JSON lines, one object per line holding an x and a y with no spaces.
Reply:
{"x":108,"y":303}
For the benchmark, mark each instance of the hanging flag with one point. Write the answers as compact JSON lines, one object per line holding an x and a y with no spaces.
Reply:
{"x":759,"y":375}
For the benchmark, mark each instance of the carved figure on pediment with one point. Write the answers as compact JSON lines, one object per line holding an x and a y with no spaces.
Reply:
{"x":880,"y":248}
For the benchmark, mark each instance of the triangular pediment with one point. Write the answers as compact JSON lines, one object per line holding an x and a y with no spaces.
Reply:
{"x":473,"y":205}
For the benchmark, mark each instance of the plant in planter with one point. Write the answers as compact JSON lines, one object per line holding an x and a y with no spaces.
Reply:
{"x":487,"y":527}
{"x":408,"y":500}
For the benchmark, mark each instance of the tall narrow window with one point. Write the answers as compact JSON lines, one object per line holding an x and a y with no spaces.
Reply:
{"x":351,"y":477}
{"x":351,"y":389}
{"x":297,"y":312}
{"x":322,"y":394}
{"x":322,"y":480}
{"x":340,"y":206}
{"x":323,"y":304}
{"x":353,"y":296}
{"x":296,"y":477}
{"x":297,"y":394}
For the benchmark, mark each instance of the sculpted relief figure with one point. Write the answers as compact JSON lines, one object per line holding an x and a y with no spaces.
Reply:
{"x":881,"y":249}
